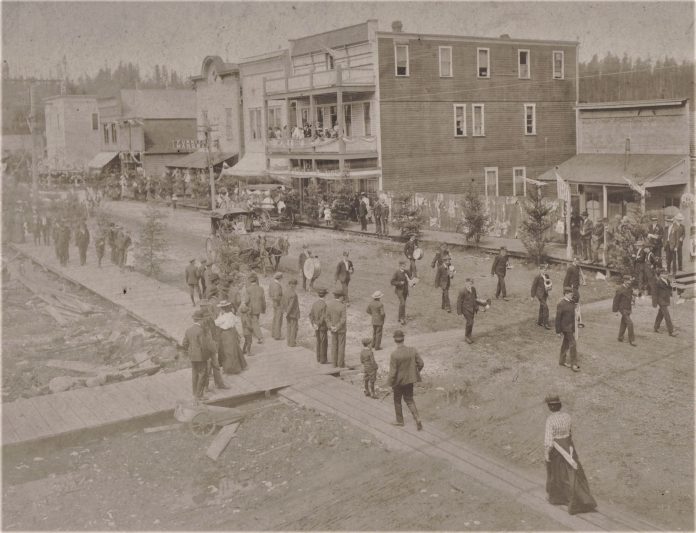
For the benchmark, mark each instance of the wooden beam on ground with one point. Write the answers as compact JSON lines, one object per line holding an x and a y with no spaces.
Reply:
{"x":221,"y":441}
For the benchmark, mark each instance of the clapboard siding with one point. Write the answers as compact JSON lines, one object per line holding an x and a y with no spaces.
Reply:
{"x":419,"y":150}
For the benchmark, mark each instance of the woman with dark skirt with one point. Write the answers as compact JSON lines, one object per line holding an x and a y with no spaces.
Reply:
{"x":566,"y":483}
{"x":229,"y":353}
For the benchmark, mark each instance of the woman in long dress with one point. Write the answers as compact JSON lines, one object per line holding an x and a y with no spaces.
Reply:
{"x":229,"y":353}
{"x":566,"y":483}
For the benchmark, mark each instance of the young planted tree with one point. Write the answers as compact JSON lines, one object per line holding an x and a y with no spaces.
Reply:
{"x":476,"y":218}
{"x":406,"y":215}
{"x":152,"y":244}
{"x":536,"y":224}
{"x":623,"y":236}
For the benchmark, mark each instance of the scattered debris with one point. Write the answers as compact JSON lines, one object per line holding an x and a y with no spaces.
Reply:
{"x":157,"y":429}
{"x":61,"y":384}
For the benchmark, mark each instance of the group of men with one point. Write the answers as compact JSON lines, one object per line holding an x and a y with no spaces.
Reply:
{"x":380,"y":212}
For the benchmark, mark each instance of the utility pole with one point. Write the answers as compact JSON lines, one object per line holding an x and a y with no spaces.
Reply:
{"x":207,"y":130}
{"x":33,"y":119}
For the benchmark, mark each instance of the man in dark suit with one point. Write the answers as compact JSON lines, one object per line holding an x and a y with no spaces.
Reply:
{"x":400,"y":282}
{"x":343,"y":271}
{"x":662,"y":292}
{"x":292,"y":312}
{"x":445,"y":281}
{"x":410,"y":247}
{"x":377,"y":213}
{"x":317,"y":316}
{"x":191,"y":274}
{"x":201,"y":275}
{"x":82,"y":242}
{"x":467,"y":306}
{"x":200,"y":347}
{"x":304,"y":255}
{"x":681,"y":234}
{"x":362,"y":214}
{"x":499,"y":268}
{"x":623,"y":303}
{"x":656,"y":234}
{"x":257,"y":304}
{"x":405,"y":366}
{"x":586,"y":236}
{"x":336,"y":322}
{"x":540,"y":292}
{"x":439,"y":258}
{"x":275,"y":292}
{"x":376,"y":310}
{"x":565,"y":326}
{"x":572,"y":279}
{"x":598,"y":238}
{"x":672,"y":245}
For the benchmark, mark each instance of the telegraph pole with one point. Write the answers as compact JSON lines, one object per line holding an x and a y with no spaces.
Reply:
{"x":34,"y":162}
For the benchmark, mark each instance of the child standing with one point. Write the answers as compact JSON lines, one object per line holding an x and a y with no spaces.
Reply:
{"x":247,"y":328}
{"x":327,"y":215}
{"x":367,"y":358}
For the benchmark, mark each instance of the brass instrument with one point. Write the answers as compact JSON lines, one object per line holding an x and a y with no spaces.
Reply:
{"x":451,"y":271}
{"x":548,"y":284}
{"x":411,"y":281}
{"x":486,"y":304}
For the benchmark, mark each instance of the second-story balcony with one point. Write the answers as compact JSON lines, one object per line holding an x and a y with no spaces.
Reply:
{"x":365,"y":144}
{"x":322,"y":81}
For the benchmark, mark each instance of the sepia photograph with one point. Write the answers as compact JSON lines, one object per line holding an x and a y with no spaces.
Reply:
{"x":348,"y":266}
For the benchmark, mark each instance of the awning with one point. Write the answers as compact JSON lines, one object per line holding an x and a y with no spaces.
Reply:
{"x":102,"y":159}
{"x":336,"y":175}
{"x":650,"y":170}
{"x":252,"y":164}
{"x":200,"y":160}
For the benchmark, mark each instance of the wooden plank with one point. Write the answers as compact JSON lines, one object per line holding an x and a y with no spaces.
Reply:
{"x":28,"y":425}
{"x":120,"y":403}
{"x":145,"y":395}
{"x":106,"y":408}
{"x":81,"y":408}
{"x":66,"y":411}
{"x":221,"y":441}
{"x":48,"y":411}
{"x":9,"y":435}
{"x":173,"y":385}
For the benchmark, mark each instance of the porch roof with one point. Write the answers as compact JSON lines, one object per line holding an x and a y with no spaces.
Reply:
{"x":651,"y":170}
{"x":200,"y":159}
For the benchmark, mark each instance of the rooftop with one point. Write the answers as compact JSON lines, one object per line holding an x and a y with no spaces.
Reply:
{"x":472,"y":38}
{"x":158,"y":103}
{"x":634,"y":104}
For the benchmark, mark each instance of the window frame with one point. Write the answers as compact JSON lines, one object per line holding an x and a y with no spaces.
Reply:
{"x":483,"y":120}
{"x":553,"y":65}
{"x":95,"y":121}
{"x":330,"y":61}
{"x":454,"y":111}
{"x":229,"y":123}
{"x":485,"y":180}
{"x":114,"y":133}
{"x":367,"y":119}
{"x":396,"y":61}
{"x":451,"y":67}
{"x":488,"y":63}
{"x":106,"y":133}
{"x":519,"y":64}
{"x":534,"y":130}
{"x":524,"y":181}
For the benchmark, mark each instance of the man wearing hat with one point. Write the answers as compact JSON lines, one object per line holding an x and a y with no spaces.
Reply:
{"x":439,"y":258}
{"x":655,"y":235}
{"x":445,"y":280}
{"x":540,"y":292}
{"x":405,"y":366}
{"x":575,"y":223}
{"x":199,"y":346}
{"x":623,"y":300}
{"x":362,"y":214}
{"x":376,"y":310}
{"x":336,"y":323}
{"x":586,"y":236}
{"x":572,"y":279}
{"x":317,"y":317}
{"x":275,"y":292}
{"x":499,"y":268}
{"x":256,"y":304}
{"x":598,"y":236}
{"x":304,"y":255}
{"x":191,"y":274}
{"x":292,"y":312}
{"x":639,"y":265}
{"x":201,"y":275}
{"x":565,"y":326}
{"x":410,"y":247}
{"x":673,"y":242}
{"x":400,"y":282}
{"x":343,"y":271}
{"x":681,"y":233}
{"x":467,"y":306}
{"x":662,"y":293}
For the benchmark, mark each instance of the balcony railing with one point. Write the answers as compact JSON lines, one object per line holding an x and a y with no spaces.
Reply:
{"x":321,"y":80}
{"x":357,"y":144}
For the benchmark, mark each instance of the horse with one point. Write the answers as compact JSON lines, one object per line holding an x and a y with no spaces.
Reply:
{"x":276,"y":250}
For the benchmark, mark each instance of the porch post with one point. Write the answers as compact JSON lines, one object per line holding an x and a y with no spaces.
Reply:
{"x":604,"y":215}
{"x":312,"y":114}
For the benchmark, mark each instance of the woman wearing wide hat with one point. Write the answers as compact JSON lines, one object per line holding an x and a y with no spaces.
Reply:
{"x":229,"y":353}
{"x":566,"y":483}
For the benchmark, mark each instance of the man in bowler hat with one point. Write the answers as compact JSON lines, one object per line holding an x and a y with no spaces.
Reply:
{"x":405,"y":366}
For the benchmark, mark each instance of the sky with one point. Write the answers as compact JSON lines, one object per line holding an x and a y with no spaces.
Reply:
{"x":36,"y":35}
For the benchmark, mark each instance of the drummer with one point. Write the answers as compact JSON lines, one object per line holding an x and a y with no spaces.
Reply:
{"x":304,"y":255}
{"x":412,"y":252}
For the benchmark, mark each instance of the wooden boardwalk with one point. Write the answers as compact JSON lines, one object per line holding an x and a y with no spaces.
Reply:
{"x":327,"y":394}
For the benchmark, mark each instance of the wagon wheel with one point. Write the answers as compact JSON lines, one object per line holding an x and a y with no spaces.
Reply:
{"x":265,"y":221}
{"x":202,"y":424}
{"x":210,"y":249}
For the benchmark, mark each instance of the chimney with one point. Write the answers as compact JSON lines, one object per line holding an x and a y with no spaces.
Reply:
{"x":397,"y":26}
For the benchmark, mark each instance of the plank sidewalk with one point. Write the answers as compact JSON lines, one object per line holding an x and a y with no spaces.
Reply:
{"x":326,"y":394}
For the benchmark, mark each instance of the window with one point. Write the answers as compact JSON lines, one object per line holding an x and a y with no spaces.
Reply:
{"x":255,"y":123}
{"x":460,"y":120}
{"x":229,"y":129}
{"x":672,"y":201}
{"x":491,"y":179}
{"x":523,"y":64}
{"x":401,"y":55}
{"x":204,"y":116}
{"x":333,"y":115}
{"x":347,"y":124}
{"x":558,"y":65}
{"x":593,"y":206}
{"x":106,"y":133}
{"x":445,"y":61}
{"x":530,"y":119}
{"x":329,"y":61}
{"x":113,"y":133}
{"x":483,"y":62}
{"x":320,"y":117}
{"x":366,"y":118}
{"x":95,"y":122}
{"x":274,"y":117}
{"x":519,"y":183}
{"x":478,"y":118}
{"x":304,"y":116}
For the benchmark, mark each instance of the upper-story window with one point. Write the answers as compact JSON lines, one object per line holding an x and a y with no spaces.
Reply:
{"x":106,"y":133}
{"x":366,"y":118}
{"x":255,"y":124}
{"x":483,"y":62}
{"x":95,"y":121}
{"x":445,"y":61}
{"x":558,"y":65}
{"x":329,"y":61}
{"x":530,"y":119}
{"x":523,"y":64}
{"x":113,"y":133}
{"x":478,"y":119}
{"x":460,"y":120}
{"x":229,"y":124}
{"x":401,"y":55}
{"x":204,"y":116}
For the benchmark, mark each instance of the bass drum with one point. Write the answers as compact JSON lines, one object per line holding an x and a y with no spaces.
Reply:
{"x":312,"y":268}
{"x":417,"y":253}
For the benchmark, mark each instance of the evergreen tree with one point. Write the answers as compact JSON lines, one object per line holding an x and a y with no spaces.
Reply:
{"x":152,"y":243}
{"x":476,"y":219}
{"x":536,"y":224}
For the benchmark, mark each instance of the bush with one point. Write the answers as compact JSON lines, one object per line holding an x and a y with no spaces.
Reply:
{"x":152,"y":243}
{"x":621,"y":251}
{"x":537,"y":223}
{"x":406,"y":215}
{"x":476,"y":219}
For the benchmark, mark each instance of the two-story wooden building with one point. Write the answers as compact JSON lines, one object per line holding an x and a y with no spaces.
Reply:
{"x":72,"y":131}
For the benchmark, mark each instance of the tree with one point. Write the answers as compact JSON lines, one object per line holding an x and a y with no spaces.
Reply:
{"x":476,"y":219}
{"x":623,"y":237}
{"x":536,"y":224}
{"x":406,"y":215}
{"x":152,"y":243}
